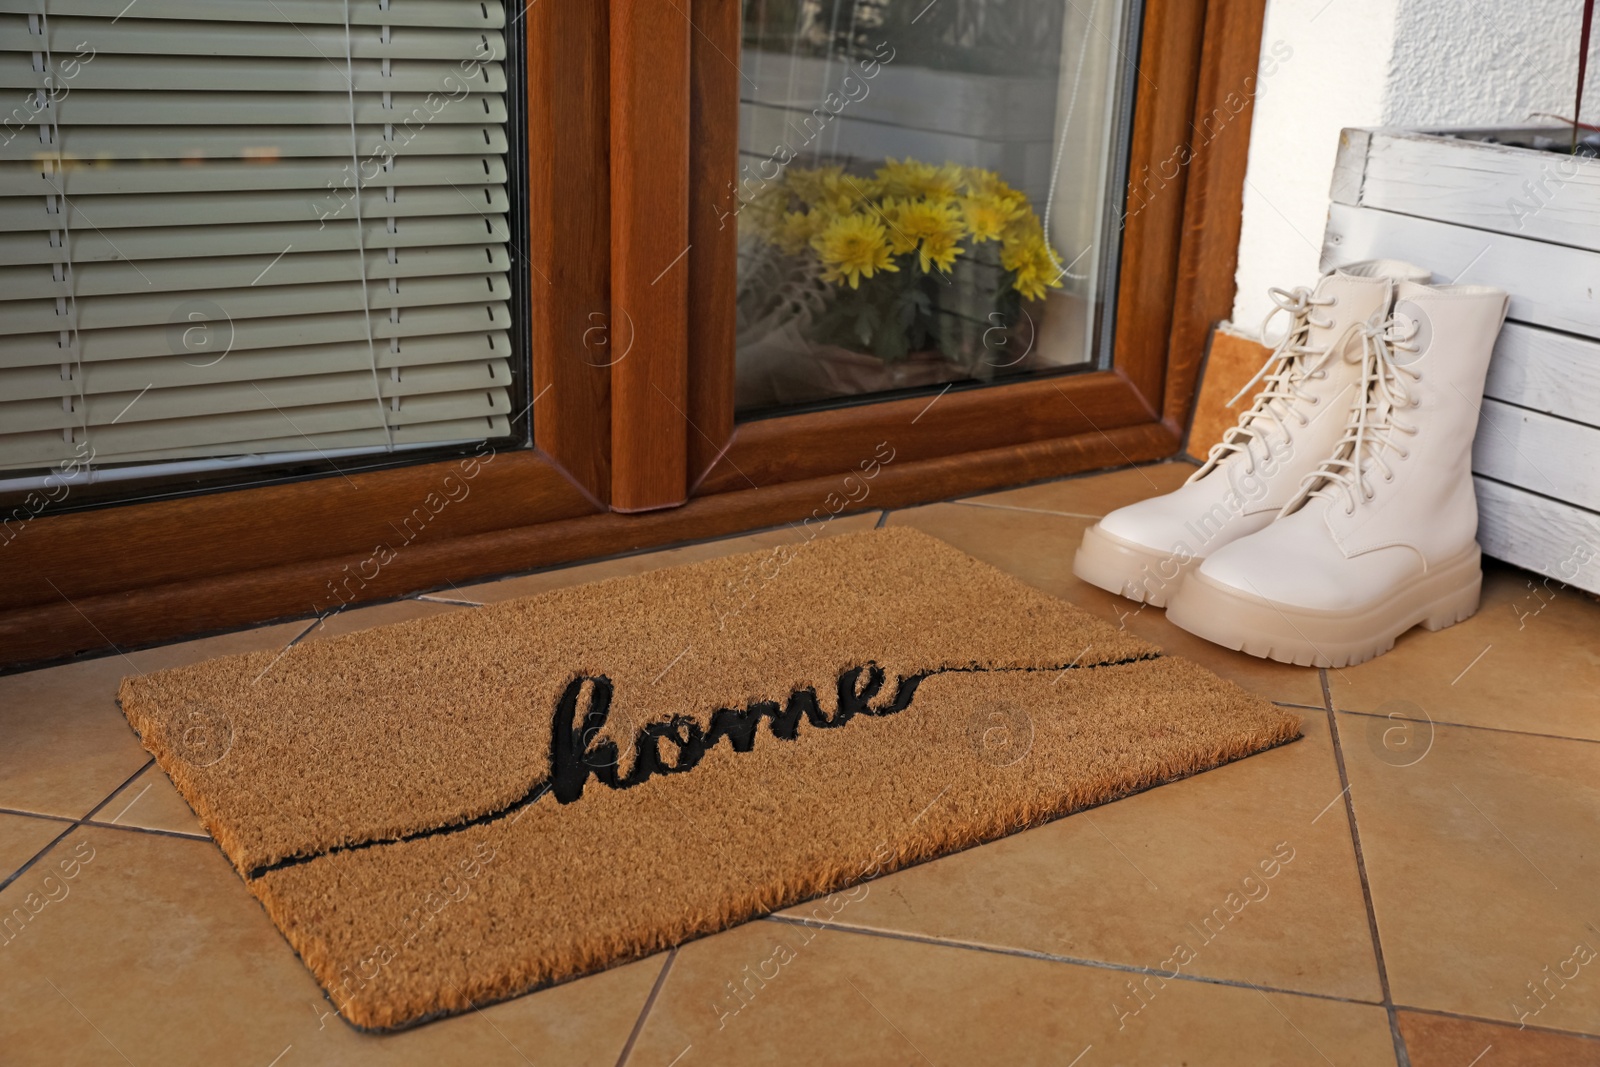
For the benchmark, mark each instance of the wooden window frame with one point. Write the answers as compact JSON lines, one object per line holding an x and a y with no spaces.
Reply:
{"x":635,"y":444}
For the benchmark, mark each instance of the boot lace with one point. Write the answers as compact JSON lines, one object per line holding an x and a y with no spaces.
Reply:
{"x":1370,"y":434}
{"x":1292,"y":362}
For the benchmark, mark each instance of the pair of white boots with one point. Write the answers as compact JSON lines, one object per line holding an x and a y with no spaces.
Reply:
{"x":1339,"y":512}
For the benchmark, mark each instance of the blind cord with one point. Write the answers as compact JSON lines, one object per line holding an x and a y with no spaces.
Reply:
{"x":1061,"y":144}
{"x":69,"y":276}
{"x":361,"y":231}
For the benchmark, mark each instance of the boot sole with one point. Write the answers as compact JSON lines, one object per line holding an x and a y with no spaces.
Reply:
{"x":1126,"y":569}
{"x":1444,"y":596}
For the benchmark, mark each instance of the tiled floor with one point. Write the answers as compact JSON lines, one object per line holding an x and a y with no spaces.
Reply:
{"x":1439,"y":903}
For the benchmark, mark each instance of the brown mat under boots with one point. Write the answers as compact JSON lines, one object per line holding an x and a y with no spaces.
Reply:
{"x":455,"y":810}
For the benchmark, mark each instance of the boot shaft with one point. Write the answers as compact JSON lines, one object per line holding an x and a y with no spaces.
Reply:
{"x":1422,"y":413}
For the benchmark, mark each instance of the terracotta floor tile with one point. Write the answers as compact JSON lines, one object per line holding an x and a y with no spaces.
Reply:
{"x":21,"y":838}
{"x":1131,"y":881}
{"x":157,"y":952}
{"x":530,"y":584}
{"x":1528,"y":660}
{"x":1093,"y":495}
{"x":1481,"y":853}
{"x":840,"y":998}
{"x":67,"y":744}
{"x":1441,"y":1041}
{"x":151,"y":801}
{"x":1038,"y":548}
{"x":352,"y":619}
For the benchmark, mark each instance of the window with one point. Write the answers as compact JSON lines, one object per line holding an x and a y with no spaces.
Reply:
{"x":253,"y":233}
{"x":926,"y":192}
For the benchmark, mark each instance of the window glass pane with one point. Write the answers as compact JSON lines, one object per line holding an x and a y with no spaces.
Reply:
{"x":923,"y":192}
{"x":247,"y":235}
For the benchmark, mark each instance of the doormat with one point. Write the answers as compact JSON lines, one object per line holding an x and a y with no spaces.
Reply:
{"x":452,"y":811}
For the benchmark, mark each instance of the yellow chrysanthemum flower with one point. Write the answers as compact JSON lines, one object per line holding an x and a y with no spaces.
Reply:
{"x":940,"y":250}
{"x":936,"y":227}
{"x":808,"y":183}
{"x":832,"y":188}
{"x":916,"y":180}
{"x":853,"y":247}
{"x":794,"y":234}
{"x":987,"y":216}
{"x":762,"y":214}
{"x":900,"y":242}
{"x":1034,"y":263}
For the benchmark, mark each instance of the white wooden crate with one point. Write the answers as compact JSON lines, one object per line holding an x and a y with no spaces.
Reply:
{"x":1527,"y":221}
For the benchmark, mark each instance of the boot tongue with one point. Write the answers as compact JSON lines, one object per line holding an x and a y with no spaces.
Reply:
{"x":1359,"y":299}
{"x":1336,"y":286}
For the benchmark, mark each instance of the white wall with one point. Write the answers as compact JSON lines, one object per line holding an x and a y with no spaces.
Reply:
{"x":1384,"y":62}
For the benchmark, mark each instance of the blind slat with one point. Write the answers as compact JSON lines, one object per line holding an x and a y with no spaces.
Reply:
{"x":475,"y":323}
{"x":105,"y":73}
{"x":125,"y":177}
{"x":237,"y":272}
{"x":259,"y":145}
{"x":134,"y":309}
{"x":89,"y":38}
{"x":410,"y":111}
{"x":134,"y":246}
{"x":206,"y":368}
{"x":225,"y":434}
{"x":442,"y":14}
{"x":304,"y":390}
{"x":146,"y":210}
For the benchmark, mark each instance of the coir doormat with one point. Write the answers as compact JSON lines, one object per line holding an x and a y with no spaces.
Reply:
{"x":454,"y":810}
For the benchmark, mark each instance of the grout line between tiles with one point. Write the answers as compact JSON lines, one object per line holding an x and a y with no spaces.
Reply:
{"x":1050,"y":957}
{"x":1402,"y":1057}
{"x":151,"y":762}
{"x":649,"y":1002}
{"x":20,"y":871}
{"x":1443,"y":1014}
{"x":1474,"y":726}
{"x":36,"y":815}
{"x":145,"y":830}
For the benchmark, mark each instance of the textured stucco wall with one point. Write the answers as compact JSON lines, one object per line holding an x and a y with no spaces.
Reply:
{"x":1385,"y":62}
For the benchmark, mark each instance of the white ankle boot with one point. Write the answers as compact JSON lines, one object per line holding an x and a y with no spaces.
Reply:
{"x":1383,"y":536}
{"x":1312,"y":379}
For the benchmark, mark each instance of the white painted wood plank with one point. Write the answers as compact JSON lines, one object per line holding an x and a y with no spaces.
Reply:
{"x":1547,"y":537}
{"x":1544,"y":196}
{"x":1550,"y":372}
{"x":1550,"y":285}
{"x":1546,"y":455}
{"x":1350,"y":165}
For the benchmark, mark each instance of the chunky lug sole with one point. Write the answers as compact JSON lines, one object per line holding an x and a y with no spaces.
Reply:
{"x":1444,"y":596}
{"x":1137,"y":572}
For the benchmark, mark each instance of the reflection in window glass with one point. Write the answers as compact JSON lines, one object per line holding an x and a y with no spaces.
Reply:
{"x":922,"y":192}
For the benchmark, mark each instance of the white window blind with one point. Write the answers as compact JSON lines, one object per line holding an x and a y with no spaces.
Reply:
{"x":234,"y":227}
